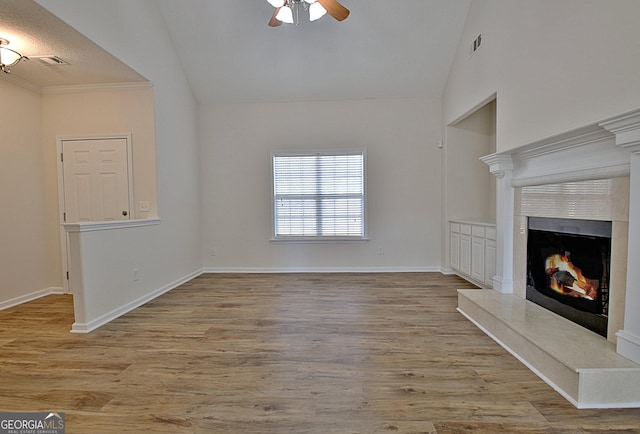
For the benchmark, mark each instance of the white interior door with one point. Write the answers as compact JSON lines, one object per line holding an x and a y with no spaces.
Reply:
{"x":95,"y":184}
{"x":96,"y":180}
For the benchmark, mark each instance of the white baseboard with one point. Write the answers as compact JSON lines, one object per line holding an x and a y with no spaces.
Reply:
{"x":628,"y":345}
{"x":267,"y":270}
{"x":110,"y":316}
{"x":30,"y":297}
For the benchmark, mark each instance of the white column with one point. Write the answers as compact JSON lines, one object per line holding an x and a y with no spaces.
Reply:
{"x":502,"y":167}
{"x":629,"y":338}
{"x":627,"y":132}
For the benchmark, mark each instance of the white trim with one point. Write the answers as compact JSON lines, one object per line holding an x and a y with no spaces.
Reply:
{"x":269,"y":270}
{"x":475,"y":108}
{"x":498,"y":164}
{"x":30,"y":297}
{"x":628,"y":345}
{"x":602,"y":172}
{"x":563,"y":142}
{"x":626,"y":129}
{"x":116,"y":313}
{"x":447,"y":271}
{"x":363,"y":237}
{"x":101,"y":87}
{"x":595,"y":151}
{"x":104,"y":226}
{"x":319,"y":239}
{"x":80,"y":88}
{"x":502,"y":284}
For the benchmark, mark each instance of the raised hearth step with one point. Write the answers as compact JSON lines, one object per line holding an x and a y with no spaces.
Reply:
{"x":581,"y":365}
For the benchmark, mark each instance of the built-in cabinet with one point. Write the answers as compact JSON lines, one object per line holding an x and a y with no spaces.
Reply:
{"x":472,"y":248}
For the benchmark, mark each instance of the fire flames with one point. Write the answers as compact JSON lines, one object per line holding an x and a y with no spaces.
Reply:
{"x":567,"y":279}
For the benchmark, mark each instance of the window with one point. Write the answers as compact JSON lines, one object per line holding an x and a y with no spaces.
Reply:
{"x":319,"y":196}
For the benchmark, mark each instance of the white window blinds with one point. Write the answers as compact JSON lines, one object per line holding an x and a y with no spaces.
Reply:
{"x":319,"y":195}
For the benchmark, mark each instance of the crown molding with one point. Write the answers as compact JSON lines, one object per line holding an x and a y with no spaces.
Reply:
{"x":499,"y":164}
{"x":626,"y":129}
{"x":100,"y":87}
{"x":80,"y":88}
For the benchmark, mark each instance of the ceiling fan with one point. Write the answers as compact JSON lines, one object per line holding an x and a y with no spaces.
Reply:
{"x":285,"y":10}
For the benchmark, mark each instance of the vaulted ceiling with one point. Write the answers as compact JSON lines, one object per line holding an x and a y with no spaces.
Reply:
{"x":382,"y":50}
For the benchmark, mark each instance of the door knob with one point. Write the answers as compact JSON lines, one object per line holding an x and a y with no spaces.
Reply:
{"x":124,"y":213}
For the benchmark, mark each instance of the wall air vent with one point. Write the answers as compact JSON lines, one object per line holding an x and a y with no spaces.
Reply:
{"x":475,"y":45}
{"x":50,"y":60}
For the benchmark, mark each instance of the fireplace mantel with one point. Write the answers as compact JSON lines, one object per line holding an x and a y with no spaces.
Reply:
{"x":607,"y":149}
{"x":582,"y":154}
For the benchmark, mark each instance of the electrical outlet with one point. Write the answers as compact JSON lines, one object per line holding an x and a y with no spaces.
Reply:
{"x":144,"y":206}
{"x":136,"y":274}
{"x":380,"y":250}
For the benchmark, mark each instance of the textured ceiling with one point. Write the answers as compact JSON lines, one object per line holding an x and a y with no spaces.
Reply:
{"x":230,"y":55}
{"x":33,"y":31}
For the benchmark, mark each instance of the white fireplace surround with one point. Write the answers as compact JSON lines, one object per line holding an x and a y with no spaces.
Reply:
{"x":590,"y":173}
{"x":606,"y":149}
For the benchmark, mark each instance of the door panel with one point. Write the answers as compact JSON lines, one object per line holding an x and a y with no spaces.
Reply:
{"x":96,"y":180}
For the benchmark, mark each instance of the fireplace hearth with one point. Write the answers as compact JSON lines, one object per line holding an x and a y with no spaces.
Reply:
{"x":568,"y":266}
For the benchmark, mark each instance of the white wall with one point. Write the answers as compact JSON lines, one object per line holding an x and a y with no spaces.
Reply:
{"x":106,"y":112}
{"x":466,"y":176}
{"x":555,"y":65}
{"x":404,"y":169}
{"x":25,"y":265}
{"x":135,"y":33}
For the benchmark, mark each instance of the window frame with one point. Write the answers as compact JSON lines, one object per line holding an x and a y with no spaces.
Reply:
{"x":320,"y":238}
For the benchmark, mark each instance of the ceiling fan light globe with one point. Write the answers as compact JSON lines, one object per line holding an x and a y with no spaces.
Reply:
{"x":285,"y":14}
{"x":316,"y":11}
{"x":8,"y":58}
{"x":276,"y":3}
{"x":311,"y":1}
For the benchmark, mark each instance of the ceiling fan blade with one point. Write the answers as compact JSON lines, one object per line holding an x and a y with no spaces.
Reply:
{"x":274,"y":22}
{"x":335,"y":9}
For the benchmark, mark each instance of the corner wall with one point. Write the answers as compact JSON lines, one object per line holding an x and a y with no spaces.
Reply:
{"x":169,"y":251}
{"x":25,"y":262}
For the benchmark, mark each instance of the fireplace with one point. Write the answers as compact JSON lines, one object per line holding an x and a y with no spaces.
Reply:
{"x":533,"y":183}
{"x":568,"y":267}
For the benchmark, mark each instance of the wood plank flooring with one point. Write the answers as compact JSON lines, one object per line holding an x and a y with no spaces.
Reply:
{"x":279,"y":353}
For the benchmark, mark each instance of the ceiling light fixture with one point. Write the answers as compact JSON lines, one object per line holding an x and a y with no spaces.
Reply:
{"x":8,"y":57}
{"x":289,"y":10}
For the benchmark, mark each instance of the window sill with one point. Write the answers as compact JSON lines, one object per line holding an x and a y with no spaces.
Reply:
{"x":318,"y":240}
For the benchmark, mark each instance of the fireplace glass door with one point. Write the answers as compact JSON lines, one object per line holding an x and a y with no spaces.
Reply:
{"x":568,"y":269}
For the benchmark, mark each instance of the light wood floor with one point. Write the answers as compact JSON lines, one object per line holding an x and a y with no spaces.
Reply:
{"x":301,"y":353}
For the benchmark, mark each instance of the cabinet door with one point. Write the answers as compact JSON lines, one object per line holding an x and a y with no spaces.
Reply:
{"x":465,"y":254}
{"x":477,"y":258}
{"x":489,"y":262}
{"x":454,"y":250}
